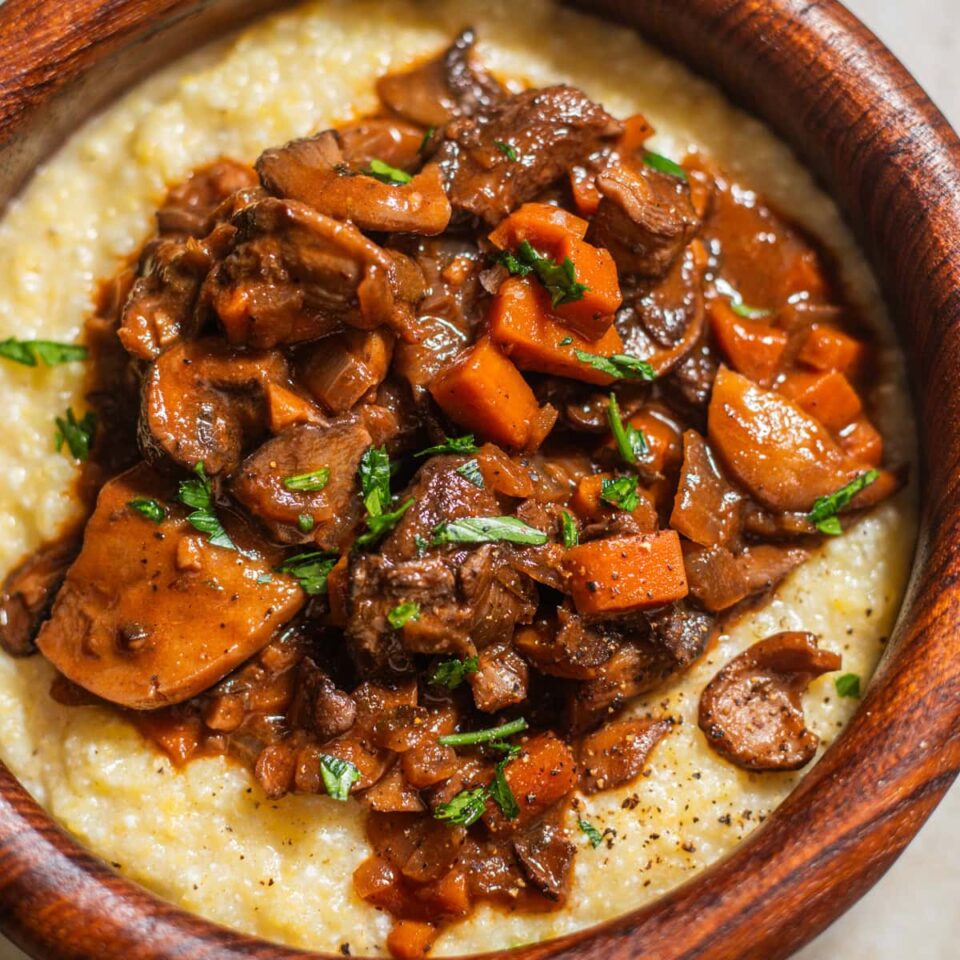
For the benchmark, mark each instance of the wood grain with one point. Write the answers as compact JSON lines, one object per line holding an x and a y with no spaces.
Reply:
{"x":823,"y":82}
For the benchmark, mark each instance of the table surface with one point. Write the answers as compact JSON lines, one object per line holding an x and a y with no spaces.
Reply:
{"x":916,"y":902}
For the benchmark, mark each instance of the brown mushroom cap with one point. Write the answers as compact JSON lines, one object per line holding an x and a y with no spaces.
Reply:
{"x":752,"y":713}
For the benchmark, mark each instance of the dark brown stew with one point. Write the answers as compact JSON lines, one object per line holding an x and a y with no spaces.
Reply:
{"x":427,"y":445}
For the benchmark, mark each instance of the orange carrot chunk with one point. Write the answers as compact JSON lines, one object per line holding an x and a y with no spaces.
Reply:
{"x":862,"y":441}
{"x":410,"y":939}
{"x":827,"y":348}
{"x":583,"y":186}
{"x":592,"y":315}
{"x":826,"y":396}
{"x":751,"y":347}
{"x":484,"y":392}
{"x":285,"y":407}
{"x":542,"y":224}
{"x":624,"y":574}
{"x":521,"y":322}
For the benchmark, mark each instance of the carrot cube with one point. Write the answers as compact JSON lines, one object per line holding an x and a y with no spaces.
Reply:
{"x":624,"y":574}
{"x":863,"y":442}
{"x":583,"y":186}
{"x":521,"y":322}
{"x":285,"y":408}
{"x":543,"y":225}
{"x":592,"y":315}
{"x":410,"y":939}
{"x":826,"y":396}
{"x":827,"y":348}
{"x":636,"y":132}
{"x":484,"y":392}
{"x":751,"y":347}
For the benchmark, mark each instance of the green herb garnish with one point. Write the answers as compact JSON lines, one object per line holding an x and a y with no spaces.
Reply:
{"x":464,"y":444}
{"x":451,"y":673}
{"x":593,"y":834}
{"x":77,"y":434}
{"x":374,"y":474}
{"x":620,"y":366}
{"x":421,"y":544}
{"x":387,"y":174}
{"x":630,"y":441}
{"x":471,"y":471}
{"x":264,"y":578}
{"x":338,"y":776}
{"x":426,"y":139}
{"x":749,"y":313}
{"x":621,"y":493}
{"x":305,"y":523}
{"x":466,"y":808}
{"x":500,"y":791}
{"x":403,"y":613}
{"x":568,"y":530}
{"x":198,"y":493}
{"x":50,"y":352}
{"x":308,"y":482}
{"x":488,"y":530}
{"x":664,"y":165}
{"x":311,"y":569}
{"x":488,"y":735}
{"x":509,"y":151}
{"x":560,"y":279}
{"x":565,"y":342}
{"x":380,"y":524}
{"x":825,"y":509}
{"x":151,"y":509}
{"x":848,"y":685}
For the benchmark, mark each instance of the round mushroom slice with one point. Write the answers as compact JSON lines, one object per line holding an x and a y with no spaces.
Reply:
{"x":151,"y":612}
{"x":751,"y":711}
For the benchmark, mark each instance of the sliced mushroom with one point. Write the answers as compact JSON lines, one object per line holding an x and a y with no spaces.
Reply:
{"x":546,"y":855}
{"x":752,"y":713}
{"x":617,"y":752}
{"x":204,"y":402}
{"x":151,"y":614}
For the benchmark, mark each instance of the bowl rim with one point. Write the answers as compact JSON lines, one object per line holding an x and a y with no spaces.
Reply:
{"x":826,"y":85}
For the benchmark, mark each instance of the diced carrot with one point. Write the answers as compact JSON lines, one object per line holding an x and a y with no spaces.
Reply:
{"x":543,"y":225}
{"x":862,"y":441}
{"x":827,"y":348}
{"x":583,"y":186}
{"x":410,"y":939}
{"x":826,"y":396}
{"x":544,"y":773}
{"x":752,"y":347}
{"x":623,"y":574}
{"x":540,"y":427}
{"x":377,"y":882}
{"x":450,"y":894}
{"x":586,"y":503}
{"x":592,"y":315}
{"x":284,"y":408}
{"x":521,"y":322}
{"x":636,"y":132}
{"x":804,"y":274}
{"x":484,"y":392}
{"x":337,"y":583}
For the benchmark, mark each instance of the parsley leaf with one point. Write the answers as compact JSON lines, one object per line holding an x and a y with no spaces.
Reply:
{"x":565,"y":342}
{"x":451,"y":673}
{"x":148,"y":508}
{"x":749,"y":313}
{"x":49,"y":351}
{"x":311,"y":569}
{"x":198,"y":493}
{"x":374,"y":475}
{"x":630,"y":441}
{"x":466,"y":808}
{"x":387,"y":174}
{"x":508,"y":150}
{"x":305,"y":523}
{"x":77,"y":434}
{"x":823,"y":515}
{"x":620,"y":366}
{"x":379,"y":524}
{"x":308,"y":482}
{"x":488,"y":735}
{"x":464,"y":444}
{"x":848,"y":685}
{"x":403,"y":613}
{"x":560,"y":279}
{"x":471,"y":471}
{"x":488,"y":530}
{"x":664,"y":165}
{"x":593,"y":834}
{"x":500,"y":791}
{"x":422,"y":544}
{"x":426,"y":139}
{"x":338,"y":776}
{"x":621,"y":493}
{"x":568,"y":529}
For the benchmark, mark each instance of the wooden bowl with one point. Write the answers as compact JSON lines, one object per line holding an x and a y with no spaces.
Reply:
{"x":856,"y":117}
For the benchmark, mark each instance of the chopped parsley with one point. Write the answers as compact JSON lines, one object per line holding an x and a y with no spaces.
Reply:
{"x":427,"y":137}
{"x":825,"y":509}
{"x":749,"y":313}
{"x":464,"y":444}
{"x":77,"y":434}
{"x":308,"y":482}
{"x":560,"y":279}
{"x":621,"y":493}
{"x":338,"y":776}
{"x":848,"y":685}
{"x":630,"y":441}
{"x":305,"y":523}
{"x":50,"y":352}
{"x":500,"y":791}
{"x":568,"y":530}
{"x":465,"y":809}
{"x":565,"y":342}
{"x":151,"y":509}
{"x":593,"y":834}
{"x":664,"y":165}
{"x":264,"y":578}
{"x":620,"y":366}
{"x":198,"y":493}
{"x":508,"y":150}
{"x":471,"y":471}
{"x":311,"y":569}
{"x":422,"y":544}
{"x":374,"y":473}
{"x":403,"y":613}
{"x":489,"y":735}
{"x":387,"y":174}
{"x":488,"y":530}
{"x":451,"y":673}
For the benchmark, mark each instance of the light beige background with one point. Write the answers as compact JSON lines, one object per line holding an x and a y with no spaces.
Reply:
{"x":914,"y":912}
